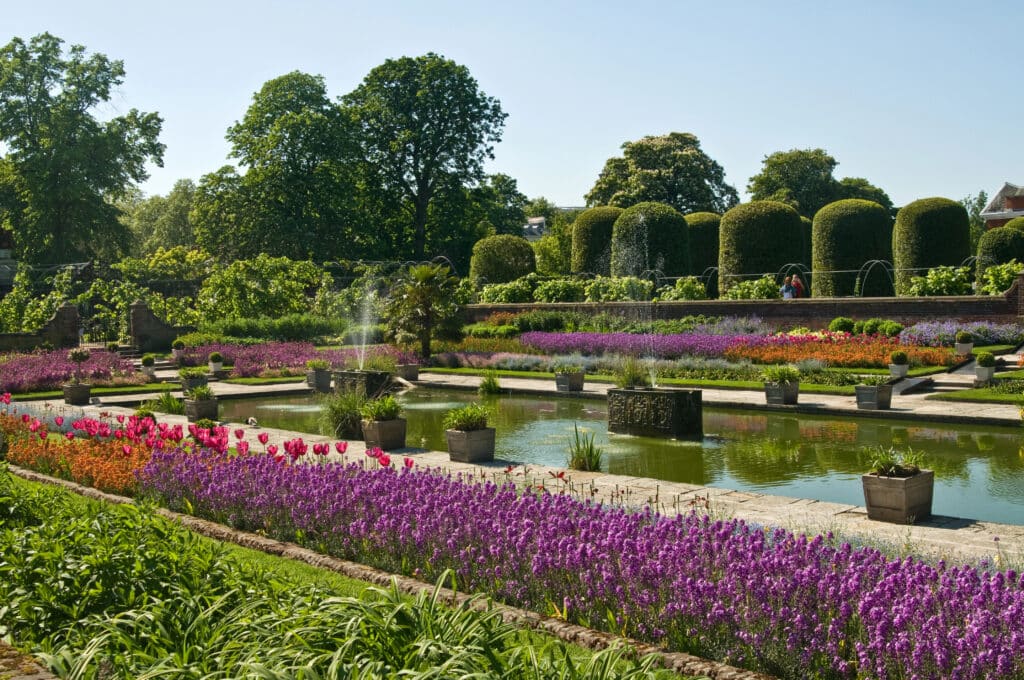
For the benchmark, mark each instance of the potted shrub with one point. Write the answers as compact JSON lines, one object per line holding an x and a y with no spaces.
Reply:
{"x":469,"y":438}
{"x":899,"y":364}
{"x":874,"y":392}
{"x":192,"y":377}
{"x":318,"y":375}
{"x":568,"y":377}
{"x":216,"y":362}
{"x":781,"y":384}
{"x":149,"y":366}
{"x":964,"y":343}
{"x":77,"y":392}
{"x":177,"y":349}
{"x":408,"y":372}
{"x":985,"y":366}
{"x":200,"y":402}
{"x":636,"y":408}
{"x":113,"y":347}
{"x":382,"y":427}
{"x":897,"y":489}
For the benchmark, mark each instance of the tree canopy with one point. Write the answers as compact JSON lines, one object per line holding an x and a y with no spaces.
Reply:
{"x":65,"y":169}
{"x":670,"y":169}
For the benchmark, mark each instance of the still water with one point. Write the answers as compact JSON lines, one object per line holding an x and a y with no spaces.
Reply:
{"x":979,"y":471}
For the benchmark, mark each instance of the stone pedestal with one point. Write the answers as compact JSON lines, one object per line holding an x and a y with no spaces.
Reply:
{"x":656,"y":412}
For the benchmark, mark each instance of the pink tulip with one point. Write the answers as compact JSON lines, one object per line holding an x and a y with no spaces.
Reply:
{"x":263,"y":437}
{"x":59,"y":420}
{"x":272,"y":449}
{"x":384,"y":459}
{"x":239,"y":433}
{"x":408,"y":462}
{"x":341,"y":447}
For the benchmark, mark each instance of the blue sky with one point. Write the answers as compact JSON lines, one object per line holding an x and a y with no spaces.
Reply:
{"x":920,"y":98}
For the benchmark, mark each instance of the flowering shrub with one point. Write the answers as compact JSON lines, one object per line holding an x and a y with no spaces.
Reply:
{"x":791,"y":605}
{"x":49,"y":370}
{"x":834,"y":349}
{"x":661,"y":346}
{"x":943,"y":333}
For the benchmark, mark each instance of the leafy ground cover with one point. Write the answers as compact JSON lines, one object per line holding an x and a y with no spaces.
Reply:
{"x":115,"y":592}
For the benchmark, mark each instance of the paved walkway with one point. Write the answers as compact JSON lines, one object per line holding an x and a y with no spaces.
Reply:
{"x":946,"y":537}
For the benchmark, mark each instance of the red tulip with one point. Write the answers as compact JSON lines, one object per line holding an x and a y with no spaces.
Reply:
{"x":263,"y":437}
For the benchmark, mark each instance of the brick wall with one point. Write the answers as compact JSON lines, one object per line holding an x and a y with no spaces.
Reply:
{"x":148,"y":332}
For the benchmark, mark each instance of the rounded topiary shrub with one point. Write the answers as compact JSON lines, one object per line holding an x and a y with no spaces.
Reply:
{"x":650,"y":236}
{"x":847,"y":234}
{"x":704,"y":246}
{"x":757,"y":238}
{"x":1015,"y":223}
{"x":930,"y":232}
{"x":501,"y":258}
{"x":592,"y":240}
{"x":999,"y":246}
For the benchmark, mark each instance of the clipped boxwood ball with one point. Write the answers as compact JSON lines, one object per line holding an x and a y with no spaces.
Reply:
{"x":650,"y":236}
{"x":501,"y":258}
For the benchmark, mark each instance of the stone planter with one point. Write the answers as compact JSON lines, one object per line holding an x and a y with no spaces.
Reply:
{"x":149,"y":372}
{"x":215,"y":366}
{"x":873,"y":397}
{"x":319,"y":379}
{"x":898,"y":370}
{"x":964,"y":348}
{"x":471,"y":446}
{"x":782,"y":394}
{"x":569,"y":382}
{"x":656,"y":412}
{"x":984,"y":373}
{"x":384,"y":434}
{"x":370,"y":383}
{"x":188,"y":384}
{"x":197,"y":410}
{"x":901,"y":500}
{"x":408,"y":372}
{"x":77,"y":395}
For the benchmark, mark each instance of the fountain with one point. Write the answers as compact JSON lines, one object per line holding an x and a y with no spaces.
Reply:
{"x":370,"y":383}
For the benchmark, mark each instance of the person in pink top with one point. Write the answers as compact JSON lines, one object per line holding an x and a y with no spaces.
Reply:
{"x":798,"y":287}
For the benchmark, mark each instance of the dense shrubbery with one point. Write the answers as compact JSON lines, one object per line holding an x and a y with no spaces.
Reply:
{"x":998,"y":278}
{"x":284,"y":328}
{"x":940,"y":281}
{"x":943,"y":333}
{"x":592,"y":240}
{"x":929,"y":233}
{"x":561,"y":290}
{"x":520,"y":290}
{"x":619,"y":289}
{"x":501,"y":258}
{"x":757,"y":238}
{"x":685,"y":288}
{"x":998,"y":246}
{"x":847,"y":234}
{"x":650,"y":236}
{"x":763,"y":288}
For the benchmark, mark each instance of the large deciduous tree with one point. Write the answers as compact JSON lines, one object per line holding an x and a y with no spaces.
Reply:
{"x":65,"y":169}
{"x":163,"y":221}
{"x":422,"y":124}
{"x":670,"y":169}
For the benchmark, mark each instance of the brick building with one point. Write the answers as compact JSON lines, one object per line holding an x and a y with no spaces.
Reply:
{"x":1007,"y":204}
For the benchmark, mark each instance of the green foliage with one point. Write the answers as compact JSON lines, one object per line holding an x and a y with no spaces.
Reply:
{"x":1015,"y":223}
{"x":381,"y":408}
{"x":929,"y":233}
{"x":262,"y":286}
{"x":200,"y":393}
{"x":489,"y":383}
{"x":876,"y":326}
{"x":650,"y":236}
{"x":780,"y":373}
{"x":630,"y":373}
{"x":160,"y":222}
{"x":985,"y":359}
{"x":899,"y":357}
{"x":520,"y":290}
{"x":619,"y":289}
{"x":148,"y":360}
{"x":25,"y":310}
{"x":467,"y":418}
{"x":841,"y":324}
{"x":685,"y":288}
{"x":941,"y":281}
{"x":703,"y":240}
{"x":483,"y":330}
{"x":422,"y":306}
{"x":216,"y":358}
{"x":501,"y":258}
{"x":63,"y":169}
{"x":592,"y":239}
{"x":318,"y":364}
{"x":539,"y":320}
{"x":165,"y":402}
{"x":670,"y":169}
{"x":846,"y":234}
{"x":998,"y":246}
{"x":561,"y":290}
{"x":975,"y":205}
{"x":998,"y":278}
{"x":290,"y":327}
{"x":190,"y":372}
{"x":964,"y":337}
{"x":890,"y":462}
{"x":763,"y":288}
{"x":584,"y":455}
{"x":757,"y":238}
{"x":341,"y":414}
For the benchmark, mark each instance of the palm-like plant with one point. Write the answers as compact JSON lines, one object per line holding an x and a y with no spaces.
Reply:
{"x":422,"y":306}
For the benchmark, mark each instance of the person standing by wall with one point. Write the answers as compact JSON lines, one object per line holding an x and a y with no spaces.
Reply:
{"x":798,"y":286}
{"x":787,"y":288}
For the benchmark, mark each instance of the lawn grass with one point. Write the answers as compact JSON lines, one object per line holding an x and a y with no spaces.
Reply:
{"x":99,"y":391}
{"x":277,"y":380}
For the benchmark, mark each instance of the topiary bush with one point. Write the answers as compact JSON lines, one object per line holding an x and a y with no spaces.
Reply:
{"x":999,"y":246}
{"x":501,"y":258}
{"x":592,"y":240}
{"x":757,"y":238}
{"x":704,"y":246}
{"x":929,"y":233}
{"x":650,"y":236}
{"x":1015,"y":223}
{"x":845,"y":235}
{"x":841,"y":324}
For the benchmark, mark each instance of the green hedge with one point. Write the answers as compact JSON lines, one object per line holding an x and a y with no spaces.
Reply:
{"x":501,"y":258}
{"x":592,"y":240}
{"x":1015,"y":223}
{"x":999,"y":246}
{"x":929,"y":233}
{"x":291,"y":327}
{"x":650,"y":236}
{"x":757,"y":238}
{"x":847,"y":234}
{"x":704,"y":245}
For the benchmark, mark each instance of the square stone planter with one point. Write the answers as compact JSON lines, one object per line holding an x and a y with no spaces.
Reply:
{"x":873,"y":397}
{"x":963,"y":348}
{"x":408,"y":372}
{"x":898,"y":370}
{"x":656,"y":412}
{"x":197,"y":410}
{"x":370,"y":383}
{"x":900,"y":500}
{"x":782,"y":394}
{"x":384,"y":434}
{"x":77,"y":395}
{"x":984,"y":373}
{"x":569,"y":382}
{"x":319,"y":379}
{"x":471,"y":446}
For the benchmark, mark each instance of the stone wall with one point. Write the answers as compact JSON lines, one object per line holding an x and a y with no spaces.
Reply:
{"x":810,"y":312}
{"x":59,"y":332}
{"x":150,"y":333}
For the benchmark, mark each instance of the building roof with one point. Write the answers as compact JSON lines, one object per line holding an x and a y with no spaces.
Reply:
{"x":996,"y":208}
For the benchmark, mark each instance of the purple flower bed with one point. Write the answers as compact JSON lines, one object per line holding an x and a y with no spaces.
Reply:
{"x":943,"y":333}
{"x":660,"y":346}
{"x":49,"y":370}
{"x":789,"y":605}
{"x":252,"y":360}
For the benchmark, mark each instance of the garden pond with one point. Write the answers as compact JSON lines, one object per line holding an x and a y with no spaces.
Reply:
{"x":979,"y":470}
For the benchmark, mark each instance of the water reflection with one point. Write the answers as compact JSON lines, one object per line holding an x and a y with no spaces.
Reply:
{"x":979,"y":470}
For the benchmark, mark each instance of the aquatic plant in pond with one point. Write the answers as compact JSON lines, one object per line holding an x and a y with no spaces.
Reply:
{"x":791,"y":605}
